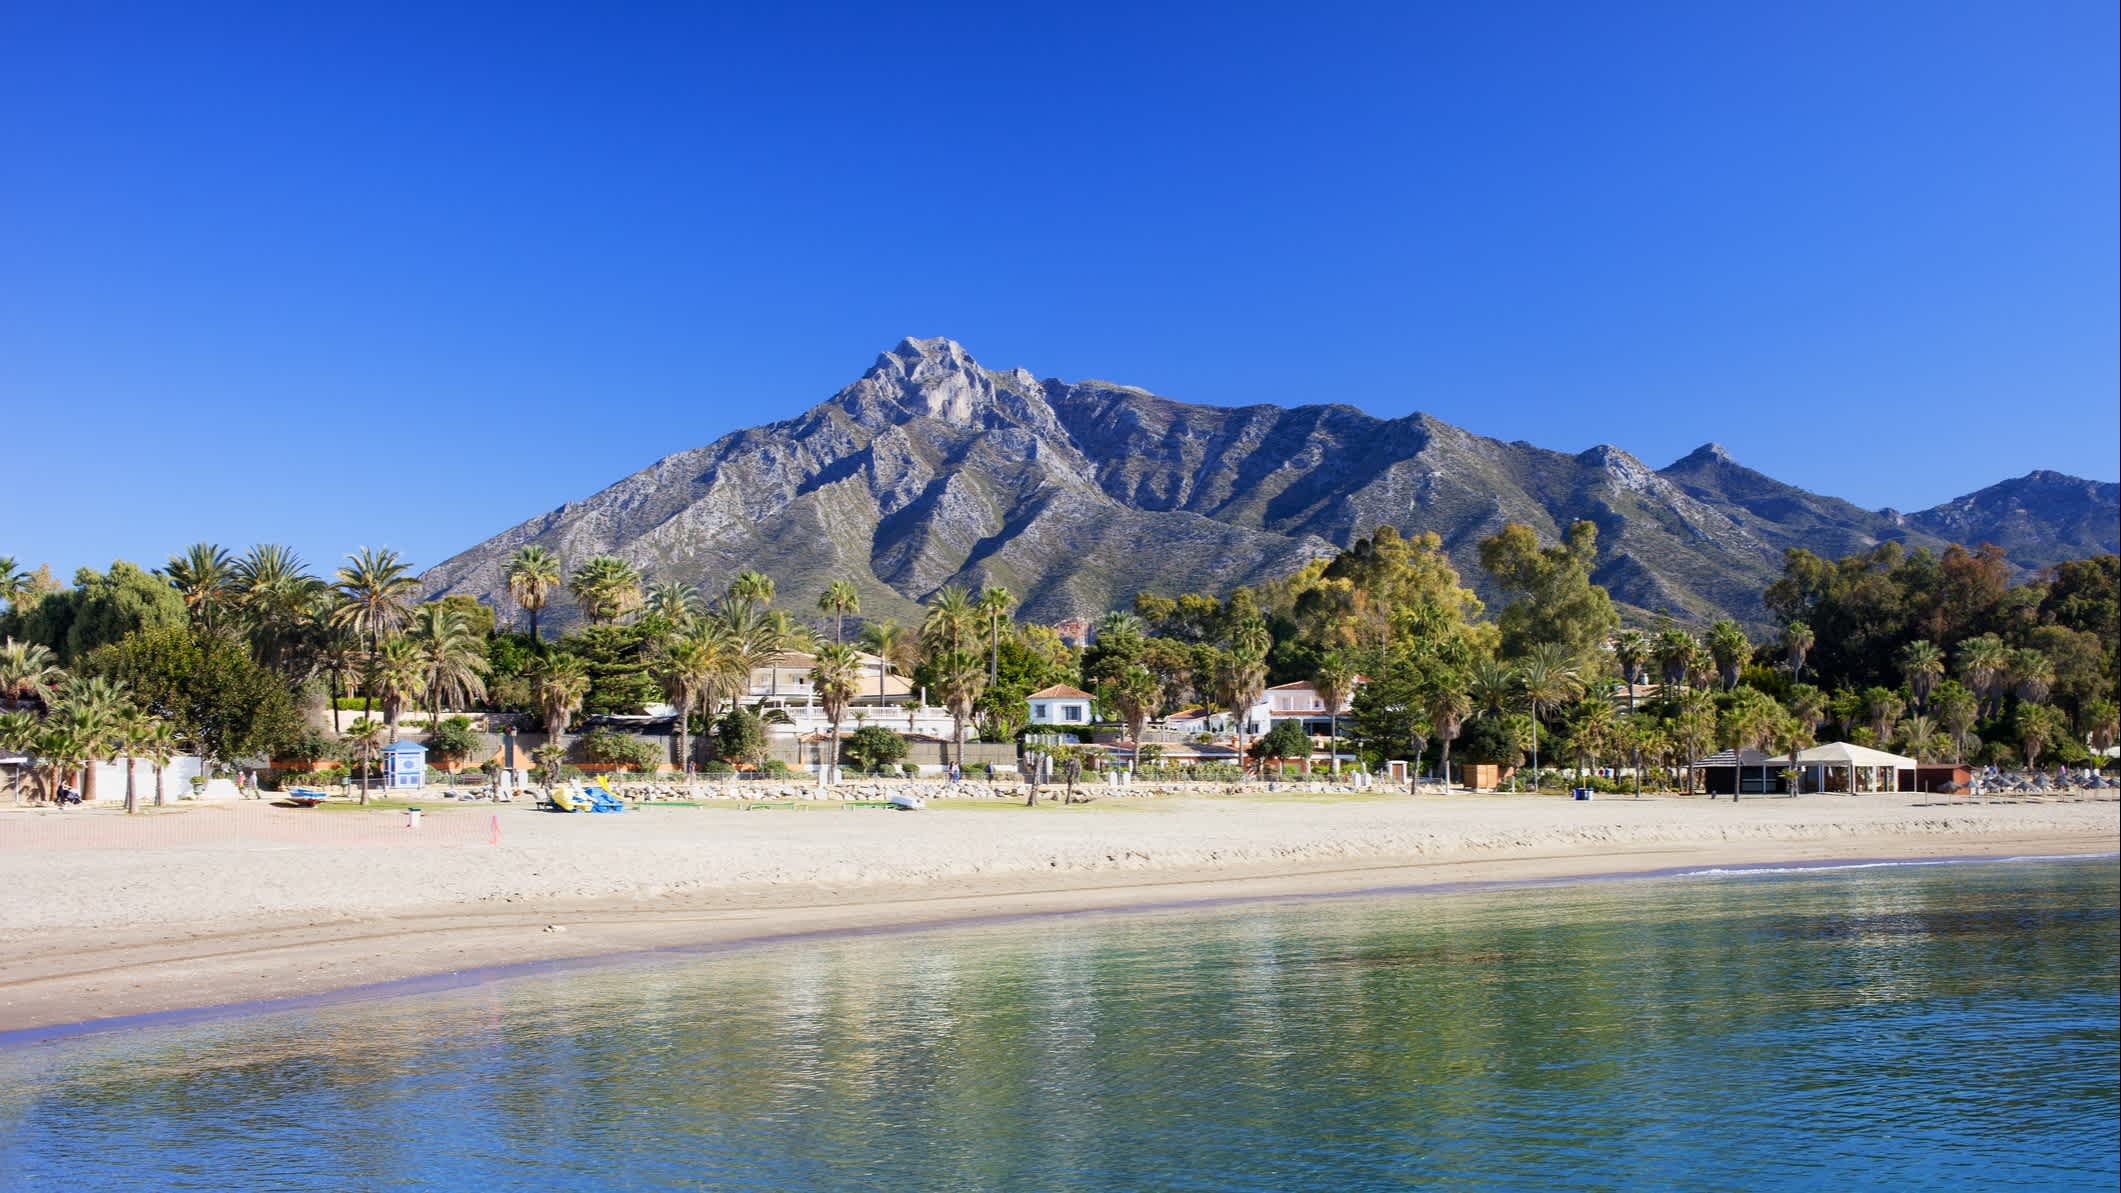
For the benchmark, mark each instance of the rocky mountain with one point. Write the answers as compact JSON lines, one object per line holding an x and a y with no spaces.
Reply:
{"x":931,"y":470}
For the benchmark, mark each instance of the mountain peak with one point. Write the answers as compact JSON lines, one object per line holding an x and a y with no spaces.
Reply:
{"x":1707,"y":454}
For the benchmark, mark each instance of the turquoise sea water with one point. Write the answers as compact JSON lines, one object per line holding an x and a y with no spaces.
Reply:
{"x":1943,"y":1026}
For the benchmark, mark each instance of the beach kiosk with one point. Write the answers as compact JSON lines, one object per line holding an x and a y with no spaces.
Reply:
{"x":404,"y":765}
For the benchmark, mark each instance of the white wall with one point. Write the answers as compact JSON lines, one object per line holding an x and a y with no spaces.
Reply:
{"x":176,"y":779}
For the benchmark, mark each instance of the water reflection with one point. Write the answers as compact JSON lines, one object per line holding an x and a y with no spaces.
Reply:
{"x":1938,"y":1027}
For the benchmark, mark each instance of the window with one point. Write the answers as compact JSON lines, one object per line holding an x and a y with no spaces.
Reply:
{"x":1072,"y":713}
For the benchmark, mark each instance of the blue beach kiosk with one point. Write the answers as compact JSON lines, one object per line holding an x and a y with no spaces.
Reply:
{"x":404,"y":765}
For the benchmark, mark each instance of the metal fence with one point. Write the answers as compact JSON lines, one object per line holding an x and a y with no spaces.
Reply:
{"x":221,"y":826}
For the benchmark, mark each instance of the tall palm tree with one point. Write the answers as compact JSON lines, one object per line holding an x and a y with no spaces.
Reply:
{"x":533,"y":576}
{"x":1492,"y":686}
{"x":1334,"y":678}
{"x":1448,"y":707}
{"x":962,"y":680}
{"x":952,"y":616}
{"x":1922,"y":664}
{"x":1632,"y":650}
{"x":559,"y":684}
{"x":398,"y":677}
{"x":1731,"y":649}
{"x":1797,"y":640}
{"x":338,"y":649}
{"x":1546,"y":680}
{"x":674,"y":603}
{"x":375,"y":589}
{"x":607,"y":588}
{"x":454,"y":657}
{"x":895,"y":648}
{"x":132,"y":729}
{"x":1807,"y":704}
{"x":202,"y":575}
{"x":1591,"y":729}
{"x":2032,"y":674}
{"x":1791,"y":735}
{"x":750,"y":588}
{"x":1983,"y":662}
{"x":995,"y":601}
{"x":1135,"y":693}
{"x":839,"y":599}
{"x":836,"y":677}
{"x":1674,"y":650}
{"x":1240,"y":678}
{"x":272,"y":592}
{"x":693,"y":665}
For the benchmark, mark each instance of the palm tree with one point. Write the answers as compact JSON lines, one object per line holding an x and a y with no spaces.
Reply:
{"x":1335,"y":680}
{"x":337,"y":648}
{"x":952,"y":616}
{"x":674,"y":603}
{"x":1546,"y":680}
{"x":156,"y":742}
{"x":272,"y":590}
{"x":1791,"y":735}
{"x":692,"y":666}
{"x":751,"y":588}
{"x":14,"y":582}
{"x":836,"y":677}
{"x":28,"y":674}
{"x":18,"y":733}
{"x":453,"y":655}
{"x":1731,"y":650}
{"x":1591,"y":729}
{"x":1632,"y":650}
{"x":2032,"y":674}
{"x":1957,"y":709}
{"x":962,"y":680}
{"x":1983,"y":662}
{"x":1883,"y":706}
{"x":839,"y":599}
{"x":894,"y":646}
{"x":375,"y":588}
{"x":364,"y":736}
{"x":559,"y":684}
{"x":607,"y":588}
{"x":2037,"y":725}
{"x":1448,"y":707}
{"x":995,"y":602}
{"x":1807,"y":704}
{"x":1921,"y":738}
{"x":533,"y":576}
{"x":1674,"y":650}
{"x":1922,"y":664}
{"x":1492,"y":686}
{"x":94,"y":711}
{"x":59,"y":749}
{"x":1135,"y":694}
{"x":1240,"y":677}
{"x":202,"y":576}
{"x":132,"y":729}
{"x":398,"y":677}
{"x":1747,"y":724}
{"x":1797,"y":640}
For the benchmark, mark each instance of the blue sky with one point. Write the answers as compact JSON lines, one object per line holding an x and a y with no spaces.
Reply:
{"x":364,"y":275}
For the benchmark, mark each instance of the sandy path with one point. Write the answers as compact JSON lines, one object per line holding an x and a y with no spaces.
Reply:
{"x":98,"y":932}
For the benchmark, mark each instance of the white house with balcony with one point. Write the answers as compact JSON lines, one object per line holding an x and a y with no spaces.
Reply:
{"x":1061,"y":705}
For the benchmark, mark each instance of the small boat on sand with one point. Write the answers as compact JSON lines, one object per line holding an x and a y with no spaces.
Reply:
{"x":904,"y":802}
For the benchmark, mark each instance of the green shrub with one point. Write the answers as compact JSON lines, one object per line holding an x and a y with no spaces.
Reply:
{"x":620,"y":750}
{"x":453,"y":738}
{"x":911,"y":770}
{"x":778,"y":769}
{"x":716,"y":770}
{"x":873,"y":747}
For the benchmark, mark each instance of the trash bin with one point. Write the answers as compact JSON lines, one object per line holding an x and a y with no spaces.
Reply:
{"x":412,"y":818}
{"x":1583,"y":793}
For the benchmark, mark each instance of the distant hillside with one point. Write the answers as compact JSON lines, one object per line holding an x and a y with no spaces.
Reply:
{"x":931,"y":470}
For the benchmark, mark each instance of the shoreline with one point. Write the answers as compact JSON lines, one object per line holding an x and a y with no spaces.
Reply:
{"x":149,"y":969}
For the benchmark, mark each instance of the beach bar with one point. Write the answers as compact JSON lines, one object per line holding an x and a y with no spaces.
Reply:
{"x":1845,"y":767}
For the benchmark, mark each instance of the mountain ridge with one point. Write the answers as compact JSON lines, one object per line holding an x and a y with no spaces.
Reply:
{"x":932,"y":469}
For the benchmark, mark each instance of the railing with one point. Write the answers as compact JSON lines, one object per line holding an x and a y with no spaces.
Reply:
{"x":222,"y":826}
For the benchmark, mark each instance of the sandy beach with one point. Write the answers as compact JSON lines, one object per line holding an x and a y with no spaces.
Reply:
{"x":206,"y":906}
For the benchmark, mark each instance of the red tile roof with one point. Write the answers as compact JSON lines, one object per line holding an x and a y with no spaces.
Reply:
{"x":1059,"y":691}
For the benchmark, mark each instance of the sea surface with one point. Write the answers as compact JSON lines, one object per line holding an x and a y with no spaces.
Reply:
{"x":1905,"y":1027}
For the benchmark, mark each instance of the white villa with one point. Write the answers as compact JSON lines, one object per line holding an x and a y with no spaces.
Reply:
{"x":1061,"y":705}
